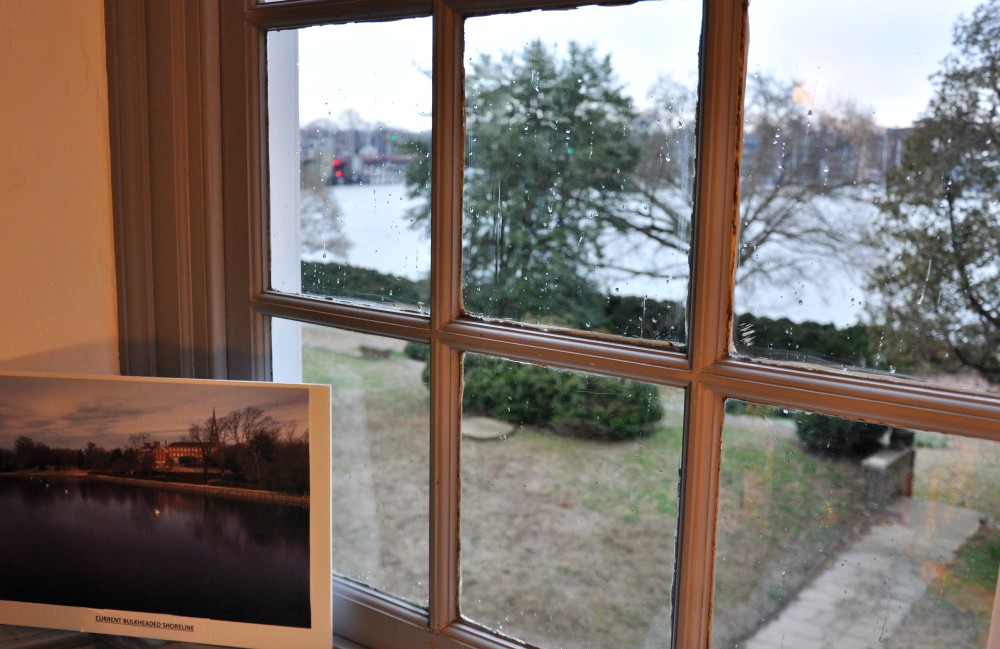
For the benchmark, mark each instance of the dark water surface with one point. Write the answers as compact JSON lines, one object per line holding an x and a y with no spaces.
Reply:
{"x":76,"y":542}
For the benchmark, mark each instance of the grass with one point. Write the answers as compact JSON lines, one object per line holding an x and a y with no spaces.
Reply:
{"x":648,"y":484}
{"x":779,"y":495}
{"x":559,"y":533}
{"x":966,"y":473}
{"x":978,"y":561}
{"x":955,"y":610}
{"x":970,"y":583}
{"x":379,"y":461}
{"x":782,"y":514}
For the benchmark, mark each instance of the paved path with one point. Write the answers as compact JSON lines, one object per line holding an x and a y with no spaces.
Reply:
{"x":862,"y":599}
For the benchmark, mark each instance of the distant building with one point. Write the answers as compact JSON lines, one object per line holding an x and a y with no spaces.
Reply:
{"x":377,"y":154}
{"x":177,"y":453}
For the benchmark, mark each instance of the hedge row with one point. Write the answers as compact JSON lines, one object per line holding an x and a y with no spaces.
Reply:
{"x":807,"y":341}
{"x":836,"y":436}
{"x":341,"y":280}
{"x":567,"y":403}
{"x":622,"y":315}
{"x":631,"y":316}
{"x":591,"y":406}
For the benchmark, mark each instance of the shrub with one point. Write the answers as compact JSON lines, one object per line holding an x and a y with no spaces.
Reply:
{"x":804,"y":341}
{"x":836,"y":436}
{"x":749,"y":408}
{"x":638,"y":317}
{"x":568,"y":403}
{"x":417,"y":351}
{"x":342,"y":280}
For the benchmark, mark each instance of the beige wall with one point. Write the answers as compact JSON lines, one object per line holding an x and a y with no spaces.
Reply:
{"x":57,"y":283}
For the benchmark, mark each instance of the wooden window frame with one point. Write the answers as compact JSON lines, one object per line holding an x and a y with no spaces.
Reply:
{"x":189,"y":170}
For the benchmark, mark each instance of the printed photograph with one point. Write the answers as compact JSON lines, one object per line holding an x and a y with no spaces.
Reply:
{"x":178,"y":498}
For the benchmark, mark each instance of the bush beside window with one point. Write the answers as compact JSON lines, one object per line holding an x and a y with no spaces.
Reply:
{"x":836,"y":436}
{"x":566,"y":403}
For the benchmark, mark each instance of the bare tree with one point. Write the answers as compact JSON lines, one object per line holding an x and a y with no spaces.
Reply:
{"x":663,"y":182}
{"x":138,"y":441}
{"x":321,"y":225}
{"x":138,"y":447}
{"x":261,"y":445}
{"x":253,"y":433}
{"x":799,"y":171}
{"x":795,"y":164}
{"x":206,"y":437}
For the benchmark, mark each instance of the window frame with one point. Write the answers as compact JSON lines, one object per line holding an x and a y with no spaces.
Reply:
{"x":192,"y":255}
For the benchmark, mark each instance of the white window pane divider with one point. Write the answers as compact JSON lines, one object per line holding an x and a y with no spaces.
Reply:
{"x":283,"y":165}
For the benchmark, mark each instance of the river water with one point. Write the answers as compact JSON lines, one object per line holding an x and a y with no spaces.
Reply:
{"x":76,"y":542}
{"x":375,"y":223}
{"x":379,"y":233}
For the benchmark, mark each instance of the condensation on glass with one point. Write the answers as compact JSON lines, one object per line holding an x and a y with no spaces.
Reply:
{"x":569,"y":505}
{"x":579,"y":167}
{"x":837,"y":532}
{"x":869,"y":193}
{"x":379,"y":441}
{"x":349,"y":126}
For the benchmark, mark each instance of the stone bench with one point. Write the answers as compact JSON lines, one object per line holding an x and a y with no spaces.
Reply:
{"x":889,"y":474}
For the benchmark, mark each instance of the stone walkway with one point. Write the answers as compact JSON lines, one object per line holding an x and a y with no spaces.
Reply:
{"x":861,"y":600}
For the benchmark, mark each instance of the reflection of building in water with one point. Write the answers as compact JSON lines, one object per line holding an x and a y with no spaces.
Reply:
{"x":177,"y":453}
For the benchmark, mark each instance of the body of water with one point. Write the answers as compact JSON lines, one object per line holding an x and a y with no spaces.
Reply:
{"x":378,"y":230}
{"x":75,"y":542}
{"x":375,"y":224}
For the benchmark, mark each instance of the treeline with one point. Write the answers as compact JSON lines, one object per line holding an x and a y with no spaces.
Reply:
{"x":249,"y":447}
{"x":245,"y":448}
{"x":628,"y":315}
{"x":857,"y":346}
{"x":27,"y":454}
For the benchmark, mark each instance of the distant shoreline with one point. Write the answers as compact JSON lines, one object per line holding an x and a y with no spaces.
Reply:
{"x":62,"y":473}
{"x":258,"y":495}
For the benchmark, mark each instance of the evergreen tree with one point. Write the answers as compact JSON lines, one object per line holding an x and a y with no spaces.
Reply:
{"x":548,"y":152}
{"x":940,"y":227}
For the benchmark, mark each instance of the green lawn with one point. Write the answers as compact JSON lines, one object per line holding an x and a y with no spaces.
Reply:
{"x":957,"y":607}
{"x":783,"y":513}
{"x":560,"y":533}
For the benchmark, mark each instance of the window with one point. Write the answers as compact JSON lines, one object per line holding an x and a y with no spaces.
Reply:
{"x":227,"y":303}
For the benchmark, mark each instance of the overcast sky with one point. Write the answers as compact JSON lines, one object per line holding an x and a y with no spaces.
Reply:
{"x":68,"y":413}
{"x":876,"y":53}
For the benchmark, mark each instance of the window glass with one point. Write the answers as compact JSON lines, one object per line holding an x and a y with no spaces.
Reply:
{"x":569,"y":505}
{"x":840,"y":531}
{"x":379,"y":441}
{"x":869,"y":216}
{"x":579,"y":167}
{"x":342,"y":216}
